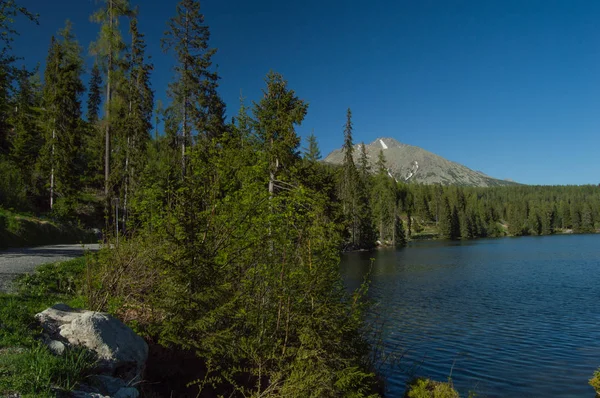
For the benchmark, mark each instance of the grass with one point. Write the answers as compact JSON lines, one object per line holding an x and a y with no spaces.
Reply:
{"x":27,"y":367}
{"x":20,"y":230}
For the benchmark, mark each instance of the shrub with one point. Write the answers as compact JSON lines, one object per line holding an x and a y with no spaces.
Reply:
{"x":595,"y":382}
{"x":13,"y":193}
{"x":425,"y":388}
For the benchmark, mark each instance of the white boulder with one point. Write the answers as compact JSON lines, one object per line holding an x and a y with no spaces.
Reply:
{"x":120,"y":351}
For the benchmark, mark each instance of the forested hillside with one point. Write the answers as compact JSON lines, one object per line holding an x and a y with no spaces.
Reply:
{"x":230,"y":231}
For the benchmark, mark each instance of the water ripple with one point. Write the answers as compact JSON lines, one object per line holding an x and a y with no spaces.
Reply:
{"x":502,"y":317}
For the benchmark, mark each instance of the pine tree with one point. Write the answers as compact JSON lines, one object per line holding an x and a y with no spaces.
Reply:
{"x":565,"y":214}
{"x":445,"y":220}
{"x":384,"y":201}
{"x":62,"y":116}
{"x":276,"y":116}
{"x":587,"y":219}
{"x":94,"y":95}
{"x":94,"y":138}
{"x":349,"y":181}
{"x":576,"y":220}
{"x":9,"y":72}
{"x":109,"y":48}
{"x":195,"y":90}
{"x":455,"y":224}
{"x":312,"y":152}
{"x":549,"y":219}
{"x":363,"y":164}
{"x":138,"y":120}
{"x":158,"y":117}
{"x":26,"y":138}
{"x":468,"y":224}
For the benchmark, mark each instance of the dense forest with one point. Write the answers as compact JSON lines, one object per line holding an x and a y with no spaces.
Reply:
{"x":230,"y":229}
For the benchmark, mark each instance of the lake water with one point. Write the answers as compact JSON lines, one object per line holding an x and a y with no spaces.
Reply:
{"x":509,"y":317}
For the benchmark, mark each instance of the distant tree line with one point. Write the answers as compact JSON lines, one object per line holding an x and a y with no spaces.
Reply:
{"x":379,"y":209}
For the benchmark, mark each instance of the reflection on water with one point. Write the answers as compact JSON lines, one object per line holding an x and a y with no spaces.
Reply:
{"x":512,"y":317}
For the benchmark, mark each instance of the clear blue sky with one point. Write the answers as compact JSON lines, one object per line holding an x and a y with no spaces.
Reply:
{"x":508,"y":87}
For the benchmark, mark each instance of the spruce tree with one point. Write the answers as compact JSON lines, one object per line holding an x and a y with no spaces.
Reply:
{"x":62,"y":115}
{"x":276,"y":116}
{"x":9,"y":72}
{"x":94,"y":138}
{"x":587,"y":219}
{"x":363,"y":164}
{"x":576,"y":219}
{"x":195,"y":88}
{"x":94,"y":95}
{"x":312,"y":152}
{"x":137,"y":124}
{"x":445,"y":222}
{"x":26,"y":138}
{"x":108,"y":48}
{"x":455,"y":224}
{"x":349,"y":182}
{"x":549,"y":219}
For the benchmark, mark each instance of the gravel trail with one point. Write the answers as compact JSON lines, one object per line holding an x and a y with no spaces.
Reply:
{"x":19,"y":261}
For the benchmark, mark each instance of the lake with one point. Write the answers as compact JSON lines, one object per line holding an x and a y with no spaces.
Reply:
{"x":507,"y":317}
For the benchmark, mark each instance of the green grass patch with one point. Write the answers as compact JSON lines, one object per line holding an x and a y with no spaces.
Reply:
{"x":62,"y":278}
{"x":35,"y":372}
{"x":27,"y":367}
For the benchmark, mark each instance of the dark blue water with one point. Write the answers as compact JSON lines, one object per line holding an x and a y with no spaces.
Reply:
{"x":511,"y":317}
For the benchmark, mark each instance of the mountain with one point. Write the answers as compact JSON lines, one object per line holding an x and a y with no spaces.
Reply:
{"x":413,"y":164}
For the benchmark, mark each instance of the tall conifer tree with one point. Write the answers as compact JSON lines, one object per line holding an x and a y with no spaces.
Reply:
{"x":62,"y":116}
{"x":26,"y":138}
{"x":312,"y":152}
{"x":109,"y":48}
{"x":194,"y":91}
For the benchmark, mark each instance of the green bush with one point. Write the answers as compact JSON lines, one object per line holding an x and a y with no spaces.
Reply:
{"x":425,"y":388}
{"x":3,"y":222}
{"x":595,"y":382}
{"x":13,"y":191}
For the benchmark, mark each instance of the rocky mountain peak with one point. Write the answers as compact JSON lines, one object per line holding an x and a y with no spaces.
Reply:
{"x":413,"y":164}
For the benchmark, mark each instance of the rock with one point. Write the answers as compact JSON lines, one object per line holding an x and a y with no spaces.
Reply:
{"x":83,"y":394}
{"x":127,"y":392}
{"x":56,"y":347}
{"x":106,"y":384}
{"x":123,"y":392}
{"x":120,"y":351}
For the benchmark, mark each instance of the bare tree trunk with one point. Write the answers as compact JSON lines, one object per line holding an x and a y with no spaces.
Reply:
{"x":127,"y":176}
{"x":52,"y":167}
{"x":107,"y":135}
{"x":185,"y":101}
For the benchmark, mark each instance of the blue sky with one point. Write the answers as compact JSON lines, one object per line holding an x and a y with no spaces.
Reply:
{"x":508,"y":87}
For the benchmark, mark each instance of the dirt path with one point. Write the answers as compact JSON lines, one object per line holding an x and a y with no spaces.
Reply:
{"x":18,"y":261}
